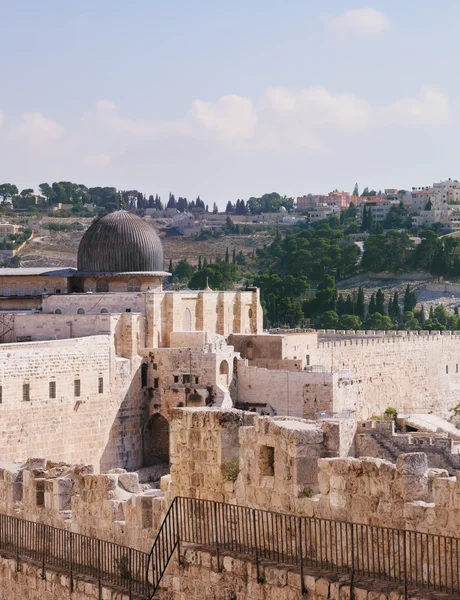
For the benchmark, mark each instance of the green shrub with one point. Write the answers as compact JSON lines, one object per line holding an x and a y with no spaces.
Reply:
{"x":230,"y":470}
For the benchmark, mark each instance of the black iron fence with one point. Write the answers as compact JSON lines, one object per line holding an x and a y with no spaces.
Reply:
{"x":79,"y":555}
{"x":408,"y":558}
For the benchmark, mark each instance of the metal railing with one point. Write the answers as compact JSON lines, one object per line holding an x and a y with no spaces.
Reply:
{"x":408,"y":558}
{"x":79,"y":555}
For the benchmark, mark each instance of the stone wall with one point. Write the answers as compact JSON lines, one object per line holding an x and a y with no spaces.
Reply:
{"x":71,"y":400}
{"x":111,"y":507}
{"x":27,"y":584}
{"x":412,"y":372}
{"x":198,"y":577}
{"x":380,"y":440}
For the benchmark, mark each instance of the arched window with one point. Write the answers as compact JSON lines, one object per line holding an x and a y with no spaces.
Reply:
{"x":223,"y":372}
{"x":134,"y":285}
{"x":187,"y":325}
{"x":102,"y":285}
{"x":6,"y":290}
{"x":250,"y":313}
{"x":250,"y":350}
{"x":104,"y":311}
{"x":33,"y":291}
{"x":58,"y":311}
{"x":81,"y":311}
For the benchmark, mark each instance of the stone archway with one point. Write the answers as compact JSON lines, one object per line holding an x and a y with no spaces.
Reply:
{"x":249,"y":350}
{"x":223,"y":372}
{"x":156,"y":441}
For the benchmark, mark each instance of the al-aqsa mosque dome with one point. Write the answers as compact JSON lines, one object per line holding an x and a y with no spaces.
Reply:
{"x":120,"y":242}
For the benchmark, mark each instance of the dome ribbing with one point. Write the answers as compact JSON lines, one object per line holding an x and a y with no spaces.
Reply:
{"x":120,"y":242}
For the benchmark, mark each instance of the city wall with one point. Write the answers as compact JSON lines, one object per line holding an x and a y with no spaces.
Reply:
{"x":71,"y":400}
{"x":412,"y":372}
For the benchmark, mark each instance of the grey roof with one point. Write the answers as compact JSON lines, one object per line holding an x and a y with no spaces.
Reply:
{"x":50,"y":272}
{"x":120,"y":242}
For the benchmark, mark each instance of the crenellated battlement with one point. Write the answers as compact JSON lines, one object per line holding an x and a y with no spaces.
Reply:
{"x":111,"y":506}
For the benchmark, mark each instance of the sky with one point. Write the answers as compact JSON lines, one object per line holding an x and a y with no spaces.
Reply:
{"x":229,"y":100}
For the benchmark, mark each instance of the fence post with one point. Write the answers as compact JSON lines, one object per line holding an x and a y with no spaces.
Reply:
{"x":17,"y":545}
{"x":302,"y":584}
{"x":43,"y":552}
{"x":259,"y":580}
{"x":99,"y":583}
{"x":178,"y":549}
{"x":352,"y":578}
{"x":405,"y":565}
{"x":130,"y":555}
{"x":71,"y":562}
{"x":217,"y":538}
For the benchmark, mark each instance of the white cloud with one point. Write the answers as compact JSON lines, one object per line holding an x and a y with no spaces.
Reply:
{"x":230,"y":118}
{"x":429,"y":107}
{"x":35,"y":130}
{"x":363,"y":22}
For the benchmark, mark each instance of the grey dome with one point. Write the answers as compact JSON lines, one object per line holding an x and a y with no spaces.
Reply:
{"x":120,"y":242}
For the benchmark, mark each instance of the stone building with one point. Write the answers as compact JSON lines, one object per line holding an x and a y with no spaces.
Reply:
{"x":93,"y":359}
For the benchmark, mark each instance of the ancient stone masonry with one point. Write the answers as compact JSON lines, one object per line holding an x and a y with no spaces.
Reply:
{"x":379,"y":439}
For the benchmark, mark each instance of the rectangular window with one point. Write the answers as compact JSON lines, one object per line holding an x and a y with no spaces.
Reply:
{"x":26,"y":392}
{"x":76,"y":387}
{"x":447,"y":369}
{"x":267,"y":460}
{"x":176,"y":378}
{"x":100,"y":385}
{"x":156,"y":383}
{"x":155,"y":366}
{"x":197,"y":380}
{"x":185,"y":378}
{"x":52,"y":389}
{"x":1,"y":394}
{"x":456,"y":368}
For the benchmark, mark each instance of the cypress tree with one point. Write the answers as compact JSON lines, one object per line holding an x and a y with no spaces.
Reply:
{"x":372,"y":309}
{"x":234,"y":256}
{"x":199,"y":263}
{"x":227,"y":258}
{"x":340,"y":305}
{"x":360,"y":305}
{"x":205,"y":262}
{"x":380,"y":302}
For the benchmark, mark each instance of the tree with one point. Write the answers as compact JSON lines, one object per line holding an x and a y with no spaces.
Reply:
{"x":340,"y":305}
{"x":360,"y":303}
{"x":356,"y":190}
{"x":47,"y":191}
{"x":234,"y":255}
{"x":380,"y":302}
{"x":410,"y":299}
{"x":183,"y":270}
{"x":8,"y":191}
{"x":372,"y":308}
{"x":171,"y":202}
{"x":227,"y":258}
{"x":199,"y":263}
{"x":170,"y":269}
{"x":329,"y":320}
{"x":348,"y":322}
{"x":229,"y":209}
{"x":27,"y":192}
{"x":378,"y":322}
{"x":215,"y":210}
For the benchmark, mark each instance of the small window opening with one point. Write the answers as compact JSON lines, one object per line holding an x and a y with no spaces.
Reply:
{"x":197,"y":380}
{"x":267,"y":460}
{"x":40,"y":492}
{"x":58,"y":311}
{"x":155,"y":366}
{"x":100,"y":385}
{"x":52,"y":389}
{"x":77,"y":387}
{"x":176,"y":378}
{"x":104,"y":311}
{"x":185,"y":378}
{"x":447,"y":369}
{"x":456,"y":368}
{"x":81,"y":311}
{"x":26,"y":392}
{"x":1,"y":394}
{"x":156,"y":383}
{"x":144,"y":375}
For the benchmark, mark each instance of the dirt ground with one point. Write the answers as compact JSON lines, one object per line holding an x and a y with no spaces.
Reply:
{"x":59,"y":249}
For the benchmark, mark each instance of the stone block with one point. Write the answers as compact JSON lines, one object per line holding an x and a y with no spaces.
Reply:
{"x":412,"y":464}
{"x":130,"y":482}
{"x":322,"y":588}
